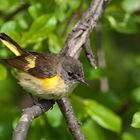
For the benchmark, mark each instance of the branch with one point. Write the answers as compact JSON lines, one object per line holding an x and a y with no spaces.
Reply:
{"x":83,"y":28}
{"x":76,"y":40}
{"x":70,"y":118}
{"x":28,"y":115}
{"x":73,"y":46}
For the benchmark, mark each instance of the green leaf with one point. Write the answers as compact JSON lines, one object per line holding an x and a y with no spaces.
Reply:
{"x":93,"y":131}
{"x":97,"y":73}
{"x":3,"y":72}
{"x":136,"y":120}
{"x":9,"y":26}
{"x":4,"y":4}
{"x":55,"y":43}
{"x":54,"y":116}
{"x":136,"y":95}
{"x":39,"y":30}
{"x":35,"y":10}
{"x":131,"y":5}
{"x":127,"y":136}
{"x":126,"y":25}
{"x":103,"y":116}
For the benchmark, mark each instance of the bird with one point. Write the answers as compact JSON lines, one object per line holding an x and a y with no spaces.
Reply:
{"x":45,"y":75}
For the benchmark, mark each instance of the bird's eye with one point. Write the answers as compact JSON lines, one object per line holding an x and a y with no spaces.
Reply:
{"x":78,"y":74}
{"x":70,"y":73}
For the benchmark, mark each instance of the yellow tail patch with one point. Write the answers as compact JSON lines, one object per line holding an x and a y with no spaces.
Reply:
{"x":12,"y":47}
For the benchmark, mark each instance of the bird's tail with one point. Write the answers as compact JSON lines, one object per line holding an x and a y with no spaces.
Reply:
{"x":11,"y":44}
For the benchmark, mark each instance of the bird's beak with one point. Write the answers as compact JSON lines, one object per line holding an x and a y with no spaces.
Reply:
{"x":83,"y":81}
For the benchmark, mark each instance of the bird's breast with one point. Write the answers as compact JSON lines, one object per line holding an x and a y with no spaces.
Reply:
{"x":48,"y":88}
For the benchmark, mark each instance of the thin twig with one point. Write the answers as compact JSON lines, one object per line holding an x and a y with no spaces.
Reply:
{"x":123,"y":106}
{"x":104,"y":84}
{"x":89,"y":54}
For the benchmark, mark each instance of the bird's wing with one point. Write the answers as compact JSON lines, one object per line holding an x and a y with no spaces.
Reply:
{"x":38,"y":65}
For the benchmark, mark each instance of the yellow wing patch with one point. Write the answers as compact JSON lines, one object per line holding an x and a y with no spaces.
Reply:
{"x":31,"y":62}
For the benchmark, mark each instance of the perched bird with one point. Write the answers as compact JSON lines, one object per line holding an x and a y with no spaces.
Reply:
{"x":45,"y":75}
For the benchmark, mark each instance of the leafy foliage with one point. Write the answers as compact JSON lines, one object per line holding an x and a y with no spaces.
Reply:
{"x":136,"y":120}
{"x":104,"y":113}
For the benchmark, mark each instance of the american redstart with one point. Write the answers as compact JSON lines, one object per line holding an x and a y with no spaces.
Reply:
{"x":45,"y":75}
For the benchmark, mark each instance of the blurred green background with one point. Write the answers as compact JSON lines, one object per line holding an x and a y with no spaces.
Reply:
{"x":108,"y":108}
